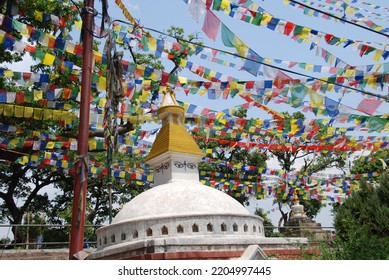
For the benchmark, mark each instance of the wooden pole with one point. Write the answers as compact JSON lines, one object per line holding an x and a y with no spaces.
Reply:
{"x":81,"y":165}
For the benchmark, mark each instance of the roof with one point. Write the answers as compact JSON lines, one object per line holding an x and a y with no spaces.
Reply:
{"x":174,"y":137}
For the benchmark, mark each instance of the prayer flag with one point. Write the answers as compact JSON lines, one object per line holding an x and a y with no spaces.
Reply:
{"x":211,"y":25}
{"x":369,"y":105}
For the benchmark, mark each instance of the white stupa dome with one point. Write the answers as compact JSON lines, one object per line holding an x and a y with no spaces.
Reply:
{"x":179,"y":198}
{"x":179,"y":213}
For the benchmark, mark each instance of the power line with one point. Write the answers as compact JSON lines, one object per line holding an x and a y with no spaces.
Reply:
{"x":339,"y":18}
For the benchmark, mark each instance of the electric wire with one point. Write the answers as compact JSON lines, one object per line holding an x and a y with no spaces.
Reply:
{"x":339,"y":18}
{"x":386,"y":98}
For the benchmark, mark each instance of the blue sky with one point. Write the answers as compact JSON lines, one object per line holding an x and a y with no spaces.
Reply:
{"x":160,"y":15}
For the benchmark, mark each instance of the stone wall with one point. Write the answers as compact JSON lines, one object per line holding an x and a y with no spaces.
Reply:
{"x":35,"y":254}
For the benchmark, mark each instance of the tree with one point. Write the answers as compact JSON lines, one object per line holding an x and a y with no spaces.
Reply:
{"x":268,"y":225}
{"x":227,"y":153}
{"x":375,"y":162}
{"x":313,"y":161}
{"x":362,"y":223}
{"x":21,"y":186}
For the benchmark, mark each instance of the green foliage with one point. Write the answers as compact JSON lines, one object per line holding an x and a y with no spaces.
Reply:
{"x":376,"y":162}
{"x":28,"y":8}
{"x":149,"y":59}
{"x":362,"y":223}
{"x":268,"y":225}
{"x":311,"y":207}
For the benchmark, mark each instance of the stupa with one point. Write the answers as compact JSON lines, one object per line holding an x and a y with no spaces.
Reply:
{"x":179,"y":218}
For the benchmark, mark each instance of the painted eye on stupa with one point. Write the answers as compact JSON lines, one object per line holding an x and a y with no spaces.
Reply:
{"x":191,"y":166}
{"x":163,"y":166}
{"x":185,"y":165}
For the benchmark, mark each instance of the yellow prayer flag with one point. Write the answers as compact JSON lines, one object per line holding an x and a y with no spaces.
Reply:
{"x":92,"y":145}
{"x":305,"y":32}
{"x":330,"y":130}
{"x":102,"y":83}
{"x":38,"y":16}
{"x":155,"y":75}
{"x":8,"y":73}
{"x":265,"y":18}
{"x":233,"y":85}
{"x":183,"y":63}
{"x":47,"y":114}
{"x":240,"y":46}
{"x":50,"y":145}
{"x":38,"y":95}
{"x":48,"y":59}
{"x":117,"y":28}
{"x":220,"y":115}
{"x":19,"y":111}
{"x":12,"y":144}
{"x":377,"y":55}
{"x":78,"y":24}
{"x":202,"y":92}
{"x":67,"y":117}
{"x":152,"y":44}
{"x":225,"y":5}
{"x":8,"y":110}
{"x":28,"y":112}
{"x":309,"y":67}
{"x":57,"y":115}
{"x":316,"y":99}
{"x":350,"y":72}
{"x":35,"y":157}
{"x":67,"y":106}
{"x":372,"y":82}
{"x":145,"y":95}
{"x":24,"y":160}
{"x":183,"y":80}
{"x":38,"y":113}
{"x":102,"y":102}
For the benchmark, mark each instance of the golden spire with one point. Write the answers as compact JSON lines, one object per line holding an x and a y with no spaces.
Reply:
{"x":173,"y":136}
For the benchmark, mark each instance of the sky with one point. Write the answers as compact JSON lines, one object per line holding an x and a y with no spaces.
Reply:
{"x":160,"y":15}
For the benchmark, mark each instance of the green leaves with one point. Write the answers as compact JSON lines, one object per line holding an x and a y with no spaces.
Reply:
{"x":362,"y":223}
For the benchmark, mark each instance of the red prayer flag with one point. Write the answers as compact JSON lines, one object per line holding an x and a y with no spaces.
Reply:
{"x":289,"y":26}
{"x":19,"y":97}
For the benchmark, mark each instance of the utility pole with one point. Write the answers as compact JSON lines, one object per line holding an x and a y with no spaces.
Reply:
{"x":81,"y":165}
